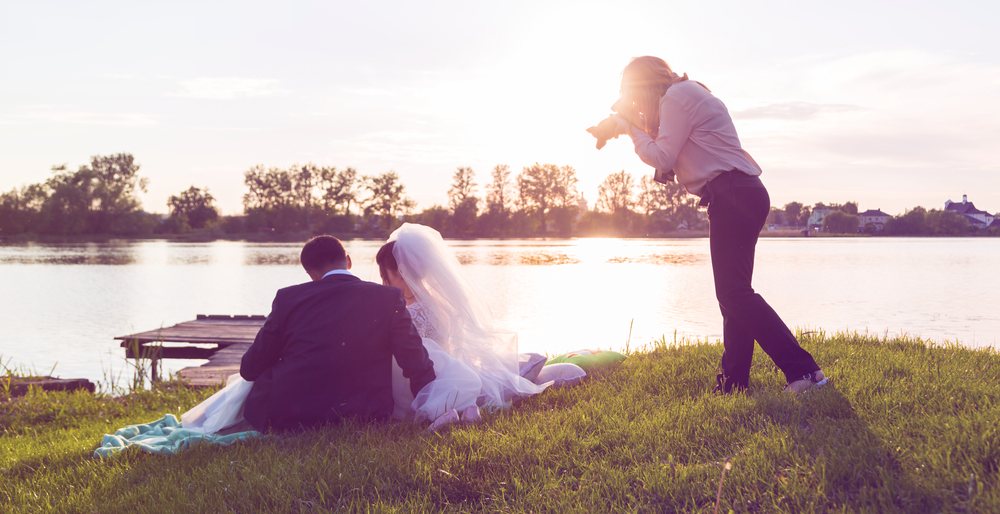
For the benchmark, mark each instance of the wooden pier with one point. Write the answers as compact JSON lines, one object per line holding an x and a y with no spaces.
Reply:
{"x":221,"y":339}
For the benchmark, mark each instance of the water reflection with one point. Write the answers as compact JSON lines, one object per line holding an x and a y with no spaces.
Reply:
{"x":466,"y":257}
{"x":659,"y":259}
{"x":258,"y":258}
{"x":87,"y":254}
{"x":547,"y":259}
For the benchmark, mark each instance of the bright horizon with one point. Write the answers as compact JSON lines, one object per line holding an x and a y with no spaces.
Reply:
{"x":891,"y":106}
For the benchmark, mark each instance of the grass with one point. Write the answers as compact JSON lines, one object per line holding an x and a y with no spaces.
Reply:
{"x":904,"y":427}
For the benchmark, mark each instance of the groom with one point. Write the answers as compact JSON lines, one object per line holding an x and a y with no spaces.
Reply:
{"x":325,"y":351}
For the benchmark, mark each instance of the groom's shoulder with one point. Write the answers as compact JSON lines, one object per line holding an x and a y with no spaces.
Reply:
{"x":357,"y":286}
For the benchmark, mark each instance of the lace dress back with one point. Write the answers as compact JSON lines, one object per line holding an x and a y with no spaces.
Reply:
{"x":422,"y":322}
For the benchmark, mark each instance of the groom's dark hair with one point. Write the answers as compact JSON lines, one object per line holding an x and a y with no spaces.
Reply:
{"x":322,"y":251}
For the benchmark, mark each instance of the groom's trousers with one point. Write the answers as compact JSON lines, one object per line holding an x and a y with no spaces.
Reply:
{"x":738,"y":207}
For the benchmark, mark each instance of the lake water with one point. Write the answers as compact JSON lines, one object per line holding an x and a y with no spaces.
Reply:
{"x":62,"y":305}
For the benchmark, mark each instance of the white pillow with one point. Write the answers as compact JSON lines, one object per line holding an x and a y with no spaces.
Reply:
{"x":530,"y":364}
{"x":561,"y":374}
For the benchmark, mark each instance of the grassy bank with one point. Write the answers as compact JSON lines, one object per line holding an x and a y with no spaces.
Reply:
{"x":904,"y":427}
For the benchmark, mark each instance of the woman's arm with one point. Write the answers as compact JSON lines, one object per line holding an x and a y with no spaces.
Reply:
{"x":675,"y":128}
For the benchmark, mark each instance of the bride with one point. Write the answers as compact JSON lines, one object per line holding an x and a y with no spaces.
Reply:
{"x":475,"y":363}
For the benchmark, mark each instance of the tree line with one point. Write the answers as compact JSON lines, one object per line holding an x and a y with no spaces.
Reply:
{"x":541,"y":200}
{"x":100,"y":199}
{"x":845,"y":219}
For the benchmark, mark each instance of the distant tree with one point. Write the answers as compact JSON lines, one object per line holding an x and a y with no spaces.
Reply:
{"x":193,"y":207}
{"x":435,"y":216}
{"x":279,"y":200}
{"x":910,"y":223}
{"x":617,"y":193}
{"x":496,"y":218}
{"x":668,"y":206}
{"x":804,"y":216}
{"x":338,"y":189}
{"x":20,"y":209}
{"x":839,"y":222}
{"x":463,"y":187}
{"x":946,"y":223}
{"x":543,"y":187}
{"x":463,"y":202}
{"x":776,"y":216}
{"x":655,"y":197}
{"x":268,"y":189}
{"x":498,"y":194}
{"x":793,"y":213}
{"x":387,"y":198}
{"x":97,"y":198}
{"x":849,"y":208}
{"x":115,"y":184}
{"x":69,"y":202}
{"x":305,"y":180}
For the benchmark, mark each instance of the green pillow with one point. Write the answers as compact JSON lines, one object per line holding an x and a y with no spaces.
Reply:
{"x":590,"y":360}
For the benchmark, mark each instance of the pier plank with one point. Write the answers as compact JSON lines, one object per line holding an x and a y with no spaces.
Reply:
{"x":230,"y":337}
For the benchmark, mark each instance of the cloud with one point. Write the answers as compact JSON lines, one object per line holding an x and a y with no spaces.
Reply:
{"x":893,"y":110}
{"x":55,"y":114}
{"x":227,"y":88}
{"x":793,"y":110}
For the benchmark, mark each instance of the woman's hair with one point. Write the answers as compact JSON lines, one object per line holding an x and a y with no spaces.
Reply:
{"x":386,"y":260}
{"x":644,"y":81}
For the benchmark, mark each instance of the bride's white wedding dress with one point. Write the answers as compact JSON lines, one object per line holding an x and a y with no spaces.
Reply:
{"x":458,"y":330}
{"x":221,"y":410}
{"x":455,"y":386}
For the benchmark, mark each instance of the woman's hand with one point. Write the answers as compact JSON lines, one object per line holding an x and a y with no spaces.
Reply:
{"x":610,"y":128}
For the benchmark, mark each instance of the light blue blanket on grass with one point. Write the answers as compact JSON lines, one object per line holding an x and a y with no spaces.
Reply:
{"x":164,"y":436}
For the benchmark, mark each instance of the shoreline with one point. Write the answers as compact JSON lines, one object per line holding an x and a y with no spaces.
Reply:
{"x":299,"y":237}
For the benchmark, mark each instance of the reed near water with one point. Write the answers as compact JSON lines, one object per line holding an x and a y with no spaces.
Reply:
{"x":904,"y":426}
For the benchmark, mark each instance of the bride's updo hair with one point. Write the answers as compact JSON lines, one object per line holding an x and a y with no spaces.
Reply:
{"x":386,"y":260}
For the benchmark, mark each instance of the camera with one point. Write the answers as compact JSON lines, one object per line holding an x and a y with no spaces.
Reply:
{"x":608,"y":128}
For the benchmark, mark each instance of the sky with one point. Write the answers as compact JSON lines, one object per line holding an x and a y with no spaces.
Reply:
{"x":891,"y":104}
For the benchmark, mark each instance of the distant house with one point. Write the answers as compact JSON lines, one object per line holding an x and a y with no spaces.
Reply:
{"x":873,"y":220}
{"x":818,"y":215}
{"x":977,"y":219}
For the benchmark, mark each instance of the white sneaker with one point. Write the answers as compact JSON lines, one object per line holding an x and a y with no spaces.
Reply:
{"x":444,"y":421}
{"x":807,"y":382}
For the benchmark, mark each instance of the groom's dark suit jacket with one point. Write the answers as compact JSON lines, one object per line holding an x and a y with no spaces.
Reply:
{"x":325,"y":353}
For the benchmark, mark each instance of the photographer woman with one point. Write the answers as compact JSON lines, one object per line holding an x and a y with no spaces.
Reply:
{"x":682,"y":130}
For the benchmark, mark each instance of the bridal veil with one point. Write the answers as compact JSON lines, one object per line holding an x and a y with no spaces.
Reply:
{"x":465,"y":325}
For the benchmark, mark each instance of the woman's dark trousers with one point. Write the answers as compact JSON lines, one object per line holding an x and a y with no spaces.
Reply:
{"x":738,"y":207}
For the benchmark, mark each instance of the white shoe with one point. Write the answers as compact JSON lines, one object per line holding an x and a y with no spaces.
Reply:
{"x":807,"y":382}
{"x":471,"y":415}
{"x":444,"y":421}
